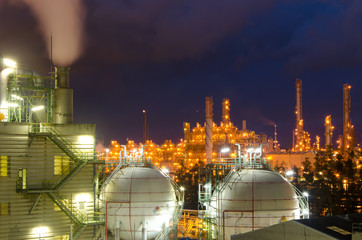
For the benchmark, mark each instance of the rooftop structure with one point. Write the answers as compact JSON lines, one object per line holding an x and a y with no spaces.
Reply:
{"x":46,"y":160}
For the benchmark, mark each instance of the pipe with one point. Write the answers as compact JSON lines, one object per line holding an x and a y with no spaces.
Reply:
{"x":144,"y":230}
{"x":239,"y":152}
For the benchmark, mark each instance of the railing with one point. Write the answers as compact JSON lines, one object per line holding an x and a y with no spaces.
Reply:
{"x":78,"y":157}
{"x":58,"y":139}
{"x":356,"y":227}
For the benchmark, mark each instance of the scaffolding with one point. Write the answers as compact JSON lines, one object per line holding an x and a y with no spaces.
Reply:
{"x":27,"y":91}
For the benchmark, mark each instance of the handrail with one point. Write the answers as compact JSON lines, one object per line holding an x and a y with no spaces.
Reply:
{"x":49,"y":128}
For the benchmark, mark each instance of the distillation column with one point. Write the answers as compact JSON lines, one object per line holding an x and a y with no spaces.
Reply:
{"x":328,"y":131}
{"x":226,"y":111}
{"x":208,"y":130}
{"x":299,"y":117}
{"x":347,"y":126}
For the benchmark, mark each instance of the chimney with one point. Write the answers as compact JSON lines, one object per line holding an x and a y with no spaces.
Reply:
{"x":63,"y":111}
{"x":208,"y":129}
{"x":244,"y":124}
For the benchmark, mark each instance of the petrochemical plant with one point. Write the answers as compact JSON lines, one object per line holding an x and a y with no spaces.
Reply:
{"x":55,"y":186}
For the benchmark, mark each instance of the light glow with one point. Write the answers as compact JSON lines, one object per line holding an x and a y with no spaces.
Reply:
{"x":9,"y":63}
{"x":249,"y":150}
{"x":83,"y":197}
{"x":289,"y":173}
{"x":225,"y":150}
{"x":16,"y":97}
{"x":13,"y":105}
{"x":40,"y":231}
{"x":86,"y":139}
{"x":37,"y":108}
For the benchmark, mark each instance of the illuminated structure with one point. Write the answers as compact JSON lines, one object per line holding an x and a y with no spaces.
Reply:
{"x":225,"y":135}
{"x":139,"y":200}
{"x":275,"y":142}
{"x":246,"y":196}
{"x":209,"y":125}
{"x":165,"y":156}
{"x":328,"y":134}
{"x":347,"y":125}
{"x":46,"y":160}
{"x":301,"y":138}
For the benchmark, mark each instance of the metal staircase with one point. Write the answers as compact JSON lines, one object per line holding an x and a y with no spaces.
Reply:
{"x":79,"y":160}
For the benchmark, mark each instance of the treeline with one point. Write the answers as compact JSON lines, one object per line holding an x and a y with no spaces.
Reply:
{"x":333,"y":182}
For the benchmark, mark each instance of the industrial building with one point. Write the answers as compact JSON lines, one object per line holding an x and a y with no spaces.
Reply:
{"x":47,"y":161}
{"x":343,"y":227}
{"x":53,"y":185}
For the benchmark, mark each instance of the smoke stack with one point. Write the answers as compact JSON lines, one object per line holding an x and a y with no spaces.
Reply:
{"x":187,"y":131}
{"x":276,"y":146}
{"x":244,"y":124}
{"x":63,"y":112}
{"x":347,"y":126}
{"x":62,"y":77}
{"x":208,"y":130}
{"x":328,"y":131}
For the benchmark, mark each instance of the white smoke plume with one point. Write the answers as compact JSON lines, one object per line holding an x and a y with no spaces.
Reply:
{"x":63,"y":20}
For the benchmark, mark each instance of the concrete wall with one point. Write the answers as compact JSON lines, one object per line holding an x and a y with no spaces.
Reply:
{"x":290,"y":159}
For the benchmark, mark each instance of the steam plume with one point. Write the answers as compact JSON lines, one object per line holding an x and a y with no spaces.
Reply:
{"x":63,"y":20}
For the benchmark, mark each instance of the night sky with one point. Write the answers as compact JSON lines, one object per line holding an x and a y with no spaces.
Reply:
{"x":167,"y":56}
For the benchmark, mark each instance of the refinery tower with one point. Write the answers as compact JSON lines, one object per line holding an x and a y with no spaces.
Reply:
{"x":47,"y":161}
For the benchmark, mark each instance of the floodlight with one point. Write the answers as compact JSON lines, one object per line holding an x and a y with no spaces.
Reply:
{"x":225,"y":150}
{"x":37,"y":108}
{"x":249,"y":150}
{"x":9,"y":63}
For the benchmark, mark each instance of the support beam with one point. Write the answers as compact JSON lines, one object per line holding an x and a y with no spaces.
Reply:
{"x":35,"y":203}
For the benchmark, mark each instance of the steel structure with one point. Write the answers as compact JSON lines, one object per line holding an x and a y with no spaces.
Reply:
{"x":140,"y":196}
{"x":347,"y":125}
{"x":244,"y":194}
{"x":301,"y":138}
{"x":328,"y":133}
{"x":46,"y":160}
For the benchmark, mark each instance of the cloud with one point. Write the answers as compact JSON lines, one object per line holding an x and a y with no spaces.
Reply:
{"x":331,"y":38}
{"x":166,"y":30}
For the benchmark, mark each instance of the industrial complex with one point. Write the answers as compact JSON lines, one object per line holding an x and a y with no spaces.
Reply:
{"x":55,"y":186}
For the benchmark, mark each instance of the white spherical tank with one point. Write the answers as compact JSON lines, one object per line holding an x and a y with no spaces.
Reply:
{"x":138,"y":202}
{"x":252,"y":199}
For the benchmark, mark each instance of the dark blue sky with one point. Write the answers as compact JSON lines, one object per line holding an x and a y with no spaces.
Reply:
{"x":167,"y":56}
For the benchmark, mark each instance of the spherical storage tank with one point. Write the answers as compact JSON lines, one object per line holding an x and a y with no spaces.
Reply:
{"x":138,"y":202}
{"x":252,"y":198}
